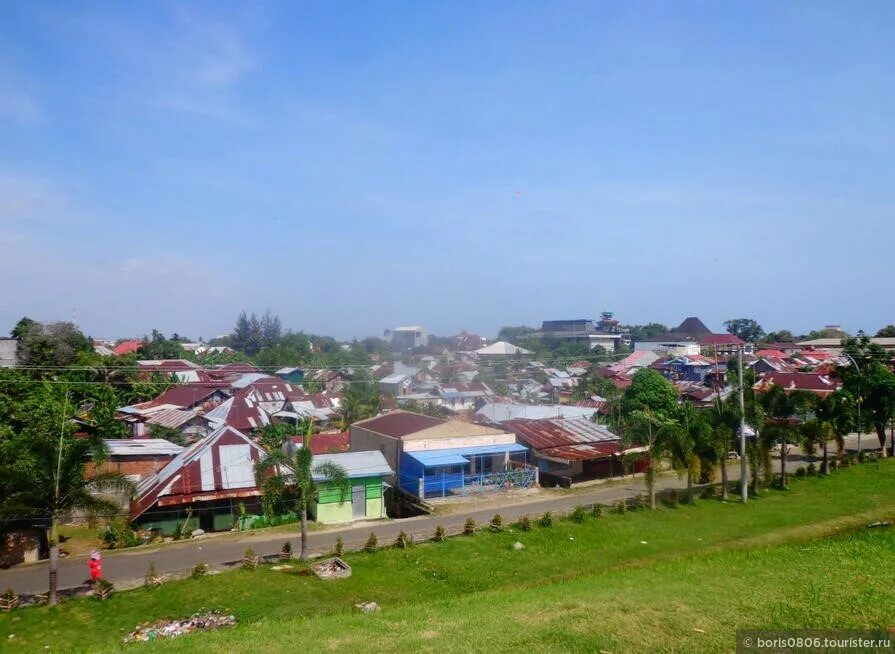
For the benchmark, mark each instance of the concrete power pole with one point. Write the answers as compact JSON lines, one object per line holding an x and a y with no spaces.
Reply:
{"x":744,"y":481}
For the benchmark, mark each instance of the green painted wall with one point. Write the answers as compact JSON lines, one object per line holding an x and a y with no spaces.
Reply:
{"x":335,"y":506}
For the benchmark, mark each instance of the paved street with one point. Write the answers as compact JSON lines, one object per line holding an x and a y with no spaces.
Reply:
{"x":128,"y":567}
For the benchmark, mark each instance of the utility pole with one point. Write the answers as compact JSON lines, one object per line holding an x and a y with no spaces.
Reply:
{"x":858,"y":368}
{"x":744,"y":481}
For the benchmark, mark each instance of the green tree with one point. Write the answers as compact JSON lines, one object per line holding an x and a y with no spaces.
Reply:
{"x":836,"y":417}
{"x":872,"y":382}
{"x":46,"y":477}
{"x":643,"y":332}
{"x":781,"y":336}
{"x":785,"y":415}
{"x":159,"y":347}
{"x":295,"y":473}
{"x":886,"y":332}
{"x":649,"y":390}
{"x":746,"y":329}
{"x":50,"y":345}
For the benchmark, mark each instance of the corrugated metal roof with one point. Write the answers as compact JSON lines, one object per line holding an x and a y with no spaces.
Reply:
{"x":502,"y":411}
{"x":399,"y":423}
{"x":141,"y":447}
{"x":170,"y":417}
{"x":547,"y":434}
{"x":356,"y":464}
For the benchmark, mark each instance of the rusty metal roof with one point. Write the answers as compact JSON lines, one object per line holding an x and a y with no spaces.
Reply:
{"x":399,"y":423}
{"x":558,"y":433}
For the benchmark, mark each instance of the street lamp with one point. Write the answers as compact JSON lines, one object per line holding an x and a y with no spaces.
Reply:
{"x":858,"y":368}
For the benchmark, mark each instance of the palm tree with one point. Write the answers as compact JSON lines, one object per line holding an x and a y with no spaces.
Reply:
{"x":837,"y":411}
{"x":644,"y":427}
{"x":294,"y":473}
{"x":54,"y":484}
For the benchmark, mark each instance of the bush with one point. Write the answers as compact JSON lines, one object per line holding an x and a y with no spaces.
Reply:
{"x":469,"y":527}
{"x":596,"y":511}
{"x":525,"y":523}
{"x":403,"y":541}
{"x":199,"y":570}
{"x":673,"y":498}
{"x":340,"y":546}
{"x":372,"y":543}
{"x":812,"y":470}
{"x":440,"y":534}
{"x":497,"y":522}
{"x":578,"y":514}
{"x":546,"y":520}
{"x":118,"y":534}
{"x":287,"y":548}
{"x":642,"y":501}
{"x":801,"y":472}
{"x":621,"y":507}
{"x":834,"y":465}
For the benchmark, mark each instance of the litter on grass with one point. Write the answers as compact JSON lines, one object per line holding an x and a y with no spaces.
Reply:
{"x":174,"y":628}
{"x":334,"y":568}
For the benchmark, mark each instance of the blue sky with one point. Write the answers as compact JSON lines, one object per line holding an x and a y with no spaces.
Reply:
{"x":458,"y":165}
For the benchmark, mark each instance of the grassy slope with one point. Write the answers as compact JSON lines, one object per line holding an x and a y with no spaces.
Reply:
{"x":592,"y":592}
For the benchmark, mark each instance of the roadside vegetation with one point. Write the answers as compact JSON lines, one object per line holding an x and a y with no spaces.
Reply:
{"x":638,"y":581}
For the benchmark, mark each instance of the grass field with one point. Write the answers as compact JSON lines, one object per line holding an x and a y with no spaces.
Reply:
{"x":621,"y":583}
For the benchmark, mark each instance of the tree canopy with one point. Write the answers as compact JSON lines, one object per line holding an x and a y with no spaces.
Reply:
{"x":746,"y":329}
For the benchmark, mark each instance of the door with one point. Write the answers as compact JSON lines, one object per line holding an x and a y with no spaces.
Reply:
{"x":358,"y":501}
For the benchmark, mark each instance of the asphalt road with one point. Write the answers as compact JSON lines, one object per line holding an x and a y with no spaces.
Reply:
{"x":128,"y":567}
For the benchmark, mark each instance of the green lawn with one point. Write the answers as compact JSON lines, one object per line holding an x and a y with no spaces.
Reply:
{"x":790,"y":558}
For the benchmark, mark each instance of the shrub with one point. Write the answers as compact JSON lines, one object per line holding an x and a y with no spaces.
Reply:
{"x":287,"y":548}
{"x":546,"y":520}
{"x":497,"y":522}
{"x":372,"y":543}
{"x":440,"y":534}
{"x":834,"y":465}
{"x":578,"y":514}
{"x":596,"y":511}
{"x":801,"y":472}
{"x":811,"y":470}
{"x":621,"y":507}
{"x":469,"y":527}
{"x":199,"y":570}
{"x":642,"y":501}
{"x":118,"y":534}
{"x":673,"y":498}
{"x":340,"y":546}
{"x":525,"y":523}
{"x":403,"y":541}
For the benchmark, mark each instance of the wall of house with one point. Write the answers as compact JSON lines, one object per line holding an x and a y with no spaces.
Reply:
{"x":363,"y":440}
{"x":334,"y":505}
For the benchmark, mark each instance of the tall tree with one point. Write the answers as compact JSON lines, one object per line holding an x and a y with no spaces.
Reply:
{"x":47,"y":476}
{"x":271,"y":329}
{"x":649,"y":390}
{"x":872,"y":382}
{"x":837,"y":412}
{"x":50,"y":345}
{"x":745,"y":328}
{"x":295,"y":473}
{"x":159,"y":347}
{"x":886,"y":332}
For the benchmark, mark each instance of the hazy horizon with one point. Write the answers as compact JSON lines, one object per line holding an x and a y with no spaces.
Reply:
{"x":460,"y":166}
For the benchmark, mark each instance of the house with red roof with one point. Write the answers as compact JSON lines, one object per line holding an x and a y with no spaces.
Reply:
{"x":127,"y":347}
{"x":203,"y":486}
{"x":810,"y":382}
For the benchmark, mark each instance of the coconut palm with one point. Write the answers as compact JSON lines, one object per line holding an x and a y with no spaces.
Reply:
{"x":294,"y":473}
{"x":53,"y":484}
{"x":837,"y":411}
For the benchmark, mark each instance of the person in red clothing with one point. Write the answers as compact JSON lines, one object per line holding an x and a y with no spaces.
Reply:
{"x":95,"y":563}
